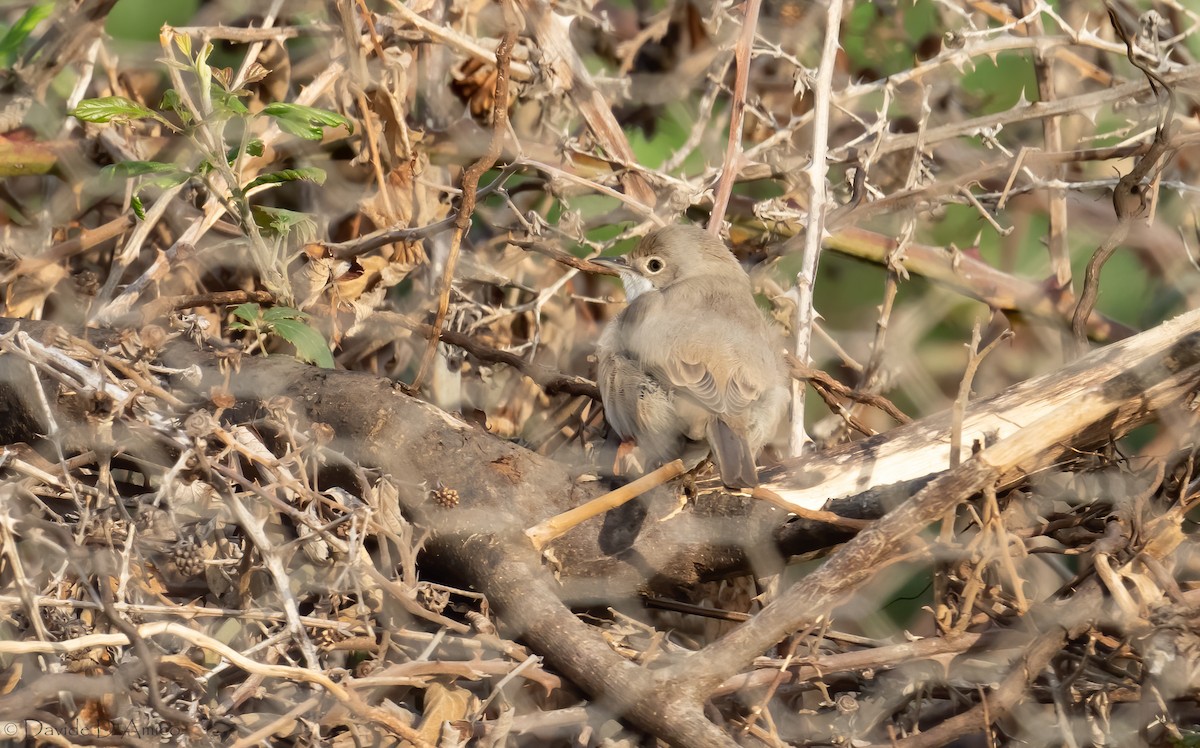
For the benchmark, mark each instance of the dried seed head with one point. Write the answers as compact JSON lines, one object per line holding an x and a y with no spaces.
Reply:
{"x":189,"y":559}
{"x":199,"y":424}
{"x":322,"y":432}
{"x":446,"y":498}
{"x":153,"y":337}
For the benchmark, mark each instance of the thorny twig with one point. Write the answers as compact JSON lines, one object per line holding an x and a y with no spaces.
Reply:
{"x":470,"y":182}
{"x":814,"y":230}
{"x":1130,"y":196}
{"x":737,"y":111}
{"x":1052,"y":138}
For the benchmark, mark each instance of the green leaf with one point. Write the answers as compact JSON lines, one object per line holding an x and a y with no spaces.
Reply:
{"x":173,"y":63}
{"x":307,"y":174}
{"x":249,"y":311}
{"x":282,"y":222}
{"x":203,"y":70}
{"x":277,"y":313}
{"x":139,"y":210}
{"x":163,"y":175}
{"x":109,"y":108}
{"x":128,"y":169}
{"x":20,"y":31}
{"x":227,"y":104}
{"x":253,"y":148}
{"x":305,"y":121}
{"x":310,"y":344}
{"x":172,"y":100}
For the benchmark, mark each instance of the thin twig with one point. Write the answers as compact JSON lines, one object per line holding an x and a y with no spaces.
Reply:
{"x":824,"y":381}
{"x":451,"y":38}
{"x":346,"y":696}
{"x":959,"y":411}
{"x":551,"y":381}
{"x":816,"y":515}
{"x":806,"y":279}
{"x":1052,"y":140}
{"x":562,"y":257}
{"x":557,"y":526}
{"x":1130,"y":196}
{"x":737,"y":113}
{"x":470,"y":182}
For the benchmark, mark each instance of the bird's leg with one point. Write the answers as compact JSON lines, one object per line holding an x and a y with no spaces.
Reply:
{"x":685,"y":491}
{"x":703,"y":478}
{"x":688,"y":488}
{"x":628,"y":460}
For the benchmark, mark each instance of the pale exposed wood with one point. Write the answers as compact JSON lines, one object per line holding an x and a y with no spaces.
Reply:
{"x":560,"y":524}
{"x":922,"y":448}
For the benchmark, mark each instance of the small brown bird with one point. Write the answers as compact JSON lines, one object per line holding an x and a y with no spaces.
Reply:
{"x":691,"y":366}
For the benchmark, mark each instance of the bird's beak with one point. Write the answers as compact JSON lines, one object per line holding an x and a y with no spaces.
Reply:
{"x":616,"y":265}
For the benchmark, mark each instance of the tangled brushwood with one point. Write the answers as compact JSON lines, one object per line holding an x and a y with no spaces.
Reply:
{"x":300,"y":439}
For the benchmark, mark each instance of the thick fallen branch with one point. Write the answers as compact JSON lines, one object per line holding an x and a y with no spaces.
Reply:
{"x":919,"y":450}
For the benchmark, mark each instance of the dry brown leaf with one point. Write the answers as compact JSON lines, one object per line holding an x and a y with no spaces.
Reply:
{"x":444,"y":703}
{"x":27,"y":293}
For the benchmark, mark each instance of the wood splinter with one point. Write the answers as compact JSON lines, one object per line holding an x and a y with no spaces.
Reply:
{"x":762,"y":493}
{"x":542,"y":533}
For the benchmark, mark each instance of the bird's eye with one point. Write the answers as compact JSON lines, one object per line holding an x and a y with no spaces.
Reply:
{"x":654,"y":264}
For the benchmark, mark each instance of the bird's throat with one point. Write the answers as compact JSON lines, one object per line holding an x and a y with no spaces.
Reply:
{"x":635,"y":285}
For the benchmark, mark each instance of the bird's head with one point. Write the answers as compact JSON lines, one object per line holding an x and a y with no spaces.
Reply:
{"x":669,"y":255}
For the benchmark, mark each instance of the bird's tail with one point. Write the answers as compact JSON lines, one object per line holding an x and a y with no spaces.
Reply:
{"x":732,"y":454}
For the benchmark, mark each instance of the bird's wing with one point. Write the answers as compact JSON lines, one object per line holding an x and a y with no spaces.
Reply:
{"x":680,"y":342}
{"x":717,"y":377}
{"x":618,"y":380}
